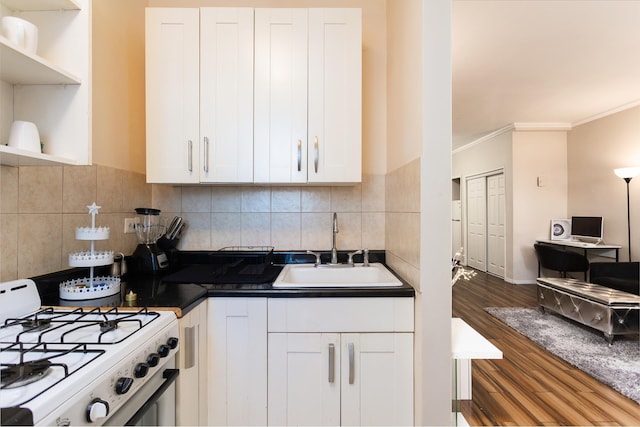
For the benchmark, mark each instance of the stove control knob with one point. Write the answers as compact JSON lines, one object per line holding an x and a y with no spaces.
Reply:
{"x":172,"y":342}
{"x":123,"y":385}
{"x":163,"y":350}
{"x":97,"y":409}
{"x":153,"y":359}
{"x":141,"y":370}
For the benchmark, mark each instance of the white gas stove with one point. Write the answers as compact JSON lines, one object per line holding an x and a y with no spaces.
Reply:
{"x":81,"y":366}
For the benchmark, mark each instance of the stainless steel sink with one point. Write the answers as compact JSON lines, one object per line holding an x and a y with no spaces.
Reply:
{"x":341,"y":276}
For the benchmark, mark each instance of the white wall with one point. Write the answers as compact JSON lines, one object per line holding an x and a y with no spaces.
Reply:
{"x":489,"y":155}
{"x":523,"y":156}
{"x":536,"y":154}
{"x":595,"y":149}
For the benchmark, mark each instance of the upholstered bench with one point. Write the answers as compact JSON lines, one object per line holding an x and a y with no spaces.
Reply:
{"x":610,"y":311}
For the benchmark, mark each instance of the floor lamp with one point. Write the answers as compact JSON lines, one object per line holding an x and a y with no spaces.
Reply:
{"x":627,"y":174}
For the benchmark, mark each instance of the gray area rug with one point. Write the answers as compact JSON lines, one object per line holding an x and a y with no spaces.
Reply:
{"x":617,"y":365}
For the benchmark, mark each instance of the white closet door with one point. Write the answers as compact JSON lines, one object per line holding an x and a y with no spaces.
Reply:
{"x":476,"y":223}
{"x":496,"y":225}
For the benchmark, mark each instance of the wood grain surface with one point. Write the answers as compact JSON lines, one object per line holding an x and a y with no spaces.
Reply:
{"x":529,"y":386}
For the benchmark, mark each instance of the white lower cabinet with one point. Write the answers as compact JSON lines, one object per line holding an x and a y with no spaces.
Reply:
{"x":237,"y":355}
{"x":340,"y":379}
{"x":191,"y":386}
{"x":310,"y":361}
{"x":323,"y":372}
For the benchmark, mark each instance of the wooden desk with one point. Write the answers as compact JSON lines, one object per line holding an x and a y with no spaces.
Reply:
{"x":601,"y":250}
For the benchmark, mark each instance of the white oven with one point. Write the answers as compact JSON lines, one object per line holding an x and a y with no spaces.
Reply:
{"x":84,"y":366}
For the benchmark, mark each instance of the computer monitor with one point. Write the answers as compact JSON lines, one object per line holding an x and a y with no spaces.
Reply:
{"x":587,"y":228}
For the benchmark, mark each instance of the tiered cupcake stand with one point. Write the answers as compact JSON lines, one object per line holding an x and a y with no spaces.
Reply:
{"x":90,"y":287}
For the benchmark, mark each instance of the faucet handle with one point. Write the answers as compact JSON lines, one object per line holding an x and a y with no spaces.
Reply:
{"x":317,"y":255}
{"x":351,"y":254}
{"x":365,"y":262}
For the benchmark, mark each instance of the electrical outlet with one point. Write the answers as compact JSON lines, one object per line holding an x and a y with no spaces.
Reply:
{"x":130,"y":225}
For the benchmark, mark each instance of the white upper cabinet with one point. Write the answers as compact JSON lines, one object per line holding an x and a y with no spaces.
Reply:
{"x":308,"y":100}
{"x":335,"y":95}
{"x":50,"y":87}
{"x":280,"y":141}
{"x":172,"y":91}
{"x":199,"y":69}
{"x":226,"y":94}
{"x":303,"y":123}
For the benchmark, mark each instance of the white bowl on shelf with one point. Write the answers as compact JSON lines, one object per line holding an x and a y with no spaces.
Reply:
{"x":25,"y":136}
{"x":21,"y":33}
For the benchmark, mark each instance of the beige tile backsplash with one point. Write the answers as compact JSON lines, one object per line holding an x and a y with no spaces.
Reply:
{"x":40,"y":207}
{"x":403,"y":221}
{"x":288,"y":218}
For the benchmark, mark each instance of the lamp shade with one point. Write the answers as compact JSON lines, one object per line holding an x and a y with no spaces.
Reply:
{"x":627,"y":172}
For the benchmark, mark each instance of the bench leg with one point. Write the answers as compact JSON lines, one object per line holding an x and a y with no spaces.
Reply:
{"x":609,"y":338}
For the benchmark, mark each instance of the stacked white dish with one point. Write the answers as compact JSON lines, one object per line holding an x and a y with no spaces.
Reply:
{"x":25,"y":136}
{"x":21,"y":33}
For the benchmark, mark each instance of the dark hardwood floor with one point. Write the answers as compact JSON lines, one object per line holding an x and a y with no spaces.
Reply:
{"x":529,"y":386}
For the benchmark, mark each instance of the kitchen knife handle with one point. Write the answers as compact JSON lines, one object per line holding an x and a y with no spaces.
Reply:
{"x":351,"y":363}
{"x":299,"y":155}
{"x":190,"y":155}
{"x":206,"y":154}
{"x":316,"y":155}
{"x":332,"y":362}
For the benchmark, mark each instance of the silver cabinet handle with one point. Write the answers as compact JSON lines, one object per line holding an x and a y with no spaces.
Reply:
{"x":332,"y":362}
{"x":206,"y":154}
{"x":190,"y":340}
{"x":190,"y":155}
{"x":351,"y":363}
{"x":316,"y":155}
{"x":299,"y":155}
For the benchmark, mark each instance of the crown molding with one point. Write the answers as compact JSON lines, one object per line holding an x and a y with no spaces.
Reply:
{"x":482,"y":139}
{"x":551,"y":126}
{"x":607,"y":113}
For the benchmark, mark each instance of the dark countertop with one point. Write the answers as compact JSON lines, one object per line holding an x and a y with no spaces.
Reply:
{"x":180,"y":294}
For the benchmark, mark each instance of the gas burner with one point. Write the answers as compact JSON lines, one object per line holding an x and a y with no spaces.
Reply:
{"x":18,"y":375}
{"x":108,"y":325}
{"x":35,"y":325}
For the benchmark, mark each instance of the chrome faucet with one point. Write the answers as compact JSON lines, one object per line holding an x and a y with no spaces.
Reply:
{"x":334,"y":251}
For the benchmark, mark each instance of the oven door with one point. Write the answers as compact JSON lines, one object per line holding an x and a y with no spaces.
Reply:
{"x":154,"y":404}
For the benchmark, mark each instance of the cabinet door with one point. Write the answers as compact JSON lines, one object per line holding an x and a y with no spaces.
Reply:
{"x":280,"y":140}
{"x":304,"y":379}
{"x":172,"y":93}
{"x":377,"y":379}
{"x":226,"y":94}
{"x":191,"y":387}
{"x":237,"y":355}
{"x":335,"y":95}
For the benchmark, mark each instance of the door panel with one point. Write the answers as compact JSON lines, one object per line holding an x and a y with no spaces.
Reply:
{"x":377,"y":379}
{"x":172,"y":93}
{"x":476,"y":223}
{"x":226,"y":94}
{"x":280,"y":141}
{"x":496,"y":216}
{"x":301,"y":391}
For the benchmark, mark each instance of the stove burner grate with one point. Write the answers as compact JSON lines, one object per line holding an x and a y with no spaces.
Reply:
{"x":48,"y":325}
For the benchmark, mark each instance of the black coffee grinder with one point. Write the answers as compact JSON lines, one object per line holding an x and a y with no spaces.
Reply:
{"x":148,"y":257}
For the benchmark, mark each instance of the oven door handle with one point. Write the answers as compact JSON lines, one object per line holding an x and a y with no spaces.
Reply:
{"x":170,"y":376}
